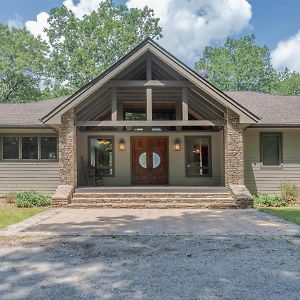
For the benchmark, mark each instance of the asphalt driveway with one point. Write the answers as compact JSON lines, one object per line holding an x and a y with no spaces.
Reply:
{"x":150,"y":254}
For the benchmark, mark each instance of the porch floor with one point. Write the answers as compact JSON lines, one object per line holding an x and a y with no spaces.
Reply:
{"x":152,"y":189}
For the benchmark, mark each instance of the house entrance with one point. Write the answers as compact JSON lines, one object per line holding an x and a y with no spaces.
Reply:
{"x":149,"y":160}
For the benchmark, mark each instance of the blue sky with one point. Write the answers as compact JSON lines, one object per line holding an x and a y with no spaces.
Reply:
{"x":272,"y":21}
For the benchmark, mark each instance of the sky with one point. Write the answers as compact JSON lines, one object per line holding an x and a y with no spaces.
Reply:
{"x":190,"y":25}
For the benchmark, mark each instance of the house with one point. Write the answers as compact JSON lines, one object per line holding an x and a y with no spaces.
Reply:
{"x":149,"y":120}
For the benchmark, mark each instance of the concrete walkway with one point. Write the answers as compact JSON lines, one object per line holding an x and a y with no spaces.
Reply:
{"x":83,"y":222}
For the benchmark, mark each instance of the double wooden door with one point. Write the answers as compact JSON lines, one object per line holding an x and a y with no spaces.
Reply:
{"x":149,"y":160}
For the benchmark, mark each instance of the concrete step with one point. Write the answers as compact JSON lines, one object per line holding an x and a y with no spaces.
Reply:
{"x":198,"y":205}
{"x":152,"y":195}
{"x":150,"y":200}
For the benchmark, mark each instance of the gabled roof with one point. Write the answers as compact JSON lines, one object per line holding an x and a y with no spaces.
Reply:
{"x":272,"y":110}
{"x":54,"y":116}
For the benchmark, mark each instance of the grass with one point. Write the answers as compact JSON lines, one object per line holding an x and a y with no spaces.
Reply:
{"x":291,"y":213}
{"x":11,"y":215}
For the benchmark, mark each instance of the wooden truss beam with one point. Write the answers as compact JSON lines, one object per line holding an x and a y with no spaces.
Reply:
{"x":149,"y":83}
{"x":150,"y":123}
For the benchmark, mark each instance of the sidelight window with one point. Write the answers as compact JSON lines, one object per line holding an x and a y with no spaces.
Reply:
{"x":101,"y":155}
{"x":198,"y":160}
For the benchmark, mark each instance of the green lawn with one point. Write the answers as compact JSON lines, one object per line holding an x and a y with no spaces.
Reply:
{"x":10,"y":214}
{"x":288,"y":213}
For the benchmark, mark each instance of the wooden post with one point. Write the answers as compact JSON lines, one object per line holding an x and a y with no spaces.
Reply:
{"x":149,"y":104}
{"x":185,"y":106}
{"x":178,"y":115}
{"x":114,"y":105}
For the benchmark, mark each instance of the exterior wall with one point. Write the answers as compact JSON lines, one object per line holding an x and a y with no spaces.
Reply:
{"x":25,"y":175}
{"x":67,"y":150}
{"x":264,"y":179}
{"x":176,"y":159}
{"x":234,"y":152}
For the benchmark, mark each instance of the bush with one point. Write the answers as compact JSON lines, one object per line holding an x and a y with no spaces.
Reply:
{"x":265,"y":200}
{"x":289,"y":192}
{"x":32,"y":198}
{"x":11,"y":197}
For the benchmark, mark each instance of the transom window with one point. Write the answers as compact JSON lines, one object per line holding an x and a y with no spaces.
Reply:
{"x":198,"y":161}
{"x":101,"y":155}
{"x":271,"y":149}
{"x":29,"y":148}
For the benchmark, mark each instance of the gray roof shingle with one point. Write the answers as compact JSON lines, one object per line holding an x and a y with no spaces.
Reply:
{"x":273,"y":110}
{"x":27,"y":114}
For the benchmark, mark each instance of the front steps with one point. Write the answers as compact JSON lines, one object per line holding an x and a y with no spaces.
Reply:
{"x":222,"y":200}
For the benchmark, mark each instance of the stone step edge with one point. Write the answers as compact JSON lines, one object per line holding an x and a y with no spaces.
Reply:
{"x":120,"y":200}
{"x":228,"y":206}
{"x":96,"y":195}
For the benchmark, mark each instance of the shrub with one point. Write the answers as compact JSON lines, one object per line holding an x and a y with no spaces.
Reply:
{"x":11,"y":197}
{"x":32,"y":198}
{"x":289,"y":192}
{"x":265,"y":200}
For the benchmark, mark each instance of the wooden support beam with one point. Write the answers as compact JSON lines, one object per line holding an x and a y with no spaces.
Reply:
{"x":149,"y":68}
{"x":178,"y":115}
{"x":149,"y":103}
{"x":149,"y":83}
{"x":114,"y":105}
{"x":151,"y":123}
{"x":185,"y":106}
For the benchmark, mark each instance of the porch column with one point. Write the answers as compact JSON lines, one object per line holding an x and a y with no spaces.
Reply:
{"x":68,"y":150}
{"x":234,"y":149}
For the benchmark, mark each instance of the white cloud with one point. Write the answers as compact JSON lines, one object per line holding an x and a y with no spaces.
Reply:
{"x":80,"y":9}
{"x":286,"y":54}
{"x":83,"y":7}
{"x":37,"y":27}
{"x":190,"y":25}
{"x":16,"y":22}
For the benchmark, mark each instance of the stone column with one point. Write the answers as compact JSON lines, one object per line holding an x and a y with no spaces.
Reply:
{"x":234,"y":149}
{"x":68,"y":150}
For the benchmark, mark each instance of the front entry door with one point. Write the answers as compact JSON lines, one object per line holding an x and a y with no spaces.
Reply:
{"x":149,"y":160}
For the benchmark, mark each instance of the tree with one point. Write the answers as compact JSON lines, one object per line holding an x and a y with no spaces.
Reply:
{"x":288,"y":83}
{"x":239,"y":65}
{"x":83,"y":48}
{"x":22,"y":65}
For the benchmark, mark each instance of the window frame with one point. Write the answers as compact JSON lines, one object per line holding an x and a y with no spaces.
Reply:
{"x":279,"y":134}
{"x":20,"y":136}
{"x":112,"y":138}
{"x":2,"y":145}
{"x":209,"y":156}
{"x":40,"y":148}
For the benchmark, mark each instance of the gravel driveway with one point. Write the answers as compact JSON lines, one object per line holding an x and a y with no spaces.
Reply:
{"x":218,"y":263}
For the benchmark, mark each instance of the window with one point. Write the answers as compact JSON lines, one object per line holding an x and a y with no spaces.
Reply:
{"x":101,"y":155}
{"x":271,"y":149}
{"x":198,"y":161}
{"x":29,"y":147}
{"x":10,"y":148}
{"x":49,"y":147}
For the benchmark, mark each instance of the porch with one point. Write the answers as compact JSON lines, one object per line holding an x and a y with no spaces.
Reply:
{"x":150,"y":120}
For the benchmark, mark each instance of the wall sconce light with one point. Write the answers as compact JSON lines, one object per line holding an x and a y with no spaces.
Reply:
{"x":122,"y":145}
{"x":177,"y":145}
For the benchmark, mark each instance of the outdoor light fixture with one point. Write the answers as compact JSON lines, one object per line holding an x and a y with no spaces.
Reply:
{"x":177,"y":145}
{"x":122,"y":145}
